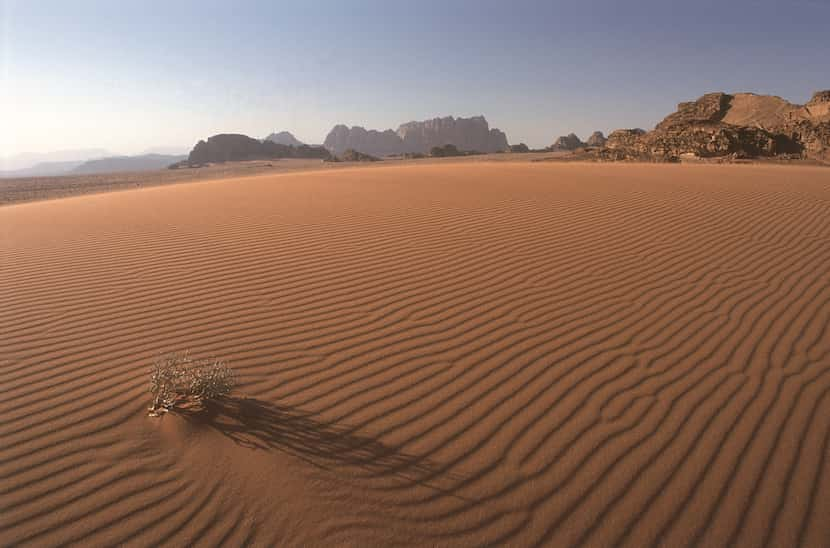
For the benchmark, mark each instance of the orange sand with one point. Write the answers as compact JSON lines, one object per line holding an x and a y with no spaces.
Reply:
{"x":452,"y":354}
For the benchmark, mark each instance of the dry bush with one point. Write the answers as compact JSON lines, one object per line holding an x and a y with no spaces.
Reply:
{"x":178,"y":376}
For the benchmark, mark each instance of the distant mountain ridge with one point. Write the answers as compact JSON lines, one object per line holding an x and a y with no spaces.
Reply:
{"x":284,"y":138}
{"x":469,"y":134}
{"x":109,"y":164}
{"x":234,"y":147}
{"x":27,"y":160}
{"x":113,"y":164}
{"x":43,"y":169}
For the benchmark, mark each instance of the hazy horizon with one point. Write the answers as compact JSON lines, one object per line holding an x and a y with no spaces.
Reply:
{"x":128,"y":78}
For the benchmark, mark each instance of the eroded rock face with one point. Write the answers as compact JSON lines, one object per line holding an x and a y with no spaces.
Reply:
{"x":709,"y":108}
{"x":813,"y":137}
{"x":567,"y":142}
{"x":743,"y":125}
{"x":820,"y":98}
{"x":373,"y":142}
{"x":819,"y":106}
{"x":625,"y":138}
{"x":467,"y":134}
{"x":597,"y":139}
{"x":708,"y":140}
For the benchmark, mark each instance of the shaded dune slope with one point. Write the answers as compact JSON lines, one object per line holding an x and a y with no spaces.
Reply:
{"x":428,"y":355}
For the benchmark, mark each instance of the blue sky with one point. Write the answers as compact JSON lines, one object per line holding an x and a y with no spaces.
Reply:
{"x":128,"y":76}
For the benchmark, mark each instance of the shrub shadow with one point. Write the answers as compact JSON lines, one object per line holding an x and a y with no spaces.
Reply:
{"x":260,"y":425}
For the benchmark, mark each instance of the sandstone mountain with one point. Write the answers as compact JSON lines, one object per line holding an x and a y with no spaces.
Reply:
{"x":743,"y":125}
{"x":468,"y":134}
{"x":373,"y":142}
{"x":567,"y":142}
{"x":229,"y":147}
{"x":597,"y":139}
{"x":284,"y":138}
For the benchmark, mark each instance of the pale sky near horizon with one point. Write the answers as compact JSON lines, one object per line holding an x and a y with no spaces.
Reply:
{"x":130,"y":76}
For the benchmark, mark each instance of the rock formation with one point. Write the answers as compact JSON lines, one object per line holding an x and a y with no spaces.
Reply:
{"x":229,"y":147}
{"x":468,"y":134}
{"x":597,"y":139}
{"x":284,"y":138}
{"x":743,"y":125}
{"x":373,"y":142}
{"x":567,"y":142}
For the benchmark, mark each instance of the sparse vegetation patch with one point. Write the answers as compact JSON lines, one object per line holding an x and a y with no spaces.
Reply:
{"x":178,"y":377}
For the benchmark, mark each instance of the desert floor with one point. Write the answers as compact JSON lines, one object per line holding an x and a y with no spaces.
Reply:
{"x":440,"y":354}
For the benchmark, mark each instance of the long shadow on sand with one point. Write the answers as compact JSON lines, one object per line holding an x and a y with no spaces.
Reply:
{"x":261,"y":425}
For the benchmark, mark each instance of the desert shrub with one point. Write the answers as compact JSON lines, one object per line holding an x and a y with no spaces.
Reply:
{"x":178,"y":376}
{"x":445,"y":151}
{"x":352,"y":155}
{"x":209,"y":379}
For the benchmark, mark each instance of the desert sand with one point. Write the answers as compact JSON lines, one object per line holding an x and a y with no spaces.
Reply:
{"x":442,"y":354}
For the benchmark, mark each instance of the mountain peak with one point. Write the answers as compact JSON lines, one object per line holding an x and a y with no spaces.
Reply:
{"x":284,"y":138}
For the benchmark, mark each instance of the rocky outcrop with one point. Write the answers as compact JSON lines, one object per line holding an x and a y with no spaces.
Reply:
{"x":819,"y":106}
{"x":709,"y":108}
{"x":467,"y":134}
{"x":284,"y":138}
{"x":625,"y":138}
{"x":567,"y":142}
{"x":597,"y":139}
{"x":230,"y":147}
{"x":743,"y":125}
{"x":625,"y":144}
{"x":373,"y":142}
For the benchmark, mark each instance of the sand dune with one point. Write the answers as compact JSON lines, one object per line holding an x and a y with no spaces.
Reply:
{"x":447,"y":354}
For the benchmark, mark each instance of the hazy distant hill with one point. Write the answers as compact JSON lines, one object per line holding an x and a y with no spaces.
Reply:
{"x":166,"y":151}
{"x":467,"y":134}
{"x":144,"y":162}
{"x":284,"y":138}
{"x":44,"y":169}
{"x":33,"y":159}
